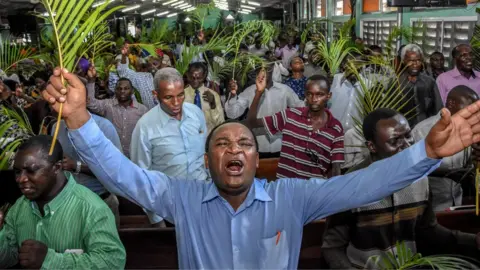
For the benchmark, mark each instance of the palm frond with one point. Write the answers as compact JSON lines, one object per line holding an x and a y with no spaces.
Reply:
{"x":12,"y":53}
{"x":70,"y":28}
{"x":316,"y":26}
{"x":265,"y":28}
{"x":201,"y":11}
{"x":333,"y":55}
{"x":246,"y":63}
{"x":405,"y":259}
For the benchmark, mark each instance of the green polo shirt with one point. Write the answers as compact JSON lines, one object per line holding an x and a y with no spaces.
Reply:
{"x":78,"y":228}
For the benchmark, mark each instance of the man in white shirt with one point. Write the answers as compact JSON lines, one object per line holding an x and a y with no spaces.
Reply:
{"x":345,"y":90}
{"x":277,"y":97}
{"x":258,"y":48}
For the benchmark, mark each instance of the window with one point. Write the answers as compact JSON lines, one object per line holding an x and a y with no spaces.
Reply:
{"x":370,"y":6}
{"x":321,"y":8}
{"x":376,"y":32}
{"x":338,"y":7}
{"x":438,"y":34}
{"x":336,"y":26}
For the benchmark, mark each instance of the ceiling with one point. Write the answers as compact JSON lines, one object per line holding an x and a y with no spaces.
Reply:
{"x":13,"y":7}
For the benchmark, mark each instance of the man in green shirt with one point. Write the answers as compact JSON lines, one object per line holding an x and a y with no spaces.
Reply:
{"x":57,"y":223}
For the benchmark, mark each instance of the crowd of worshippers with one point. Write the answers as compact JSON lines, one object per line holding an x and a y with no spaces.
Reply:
{"x":161,"y":121}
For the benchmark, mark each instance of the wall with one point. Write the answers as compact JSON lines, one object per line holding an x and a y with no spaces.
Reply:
{"x":408,"y":14}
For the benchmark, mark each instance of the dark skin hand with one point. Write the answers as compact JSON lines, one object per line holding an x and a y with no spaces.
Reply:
{"x":261,"y":83}
{"x":32,"y":253}
{"x":69,"y":164}
{"x":210,"y":98}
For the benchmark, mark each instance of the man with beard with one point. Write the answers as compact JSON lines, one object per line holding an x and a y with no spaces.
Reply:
{"x":421,"y":97}
{"x":461,"y":74}
{"x":170,"y":138}
{"x":122,"y":110}
{"x":57,"y":223}
{"x":238,"y":221}
{"x":142,"y":79}
{"x":352,"y":237}
{"x":312,"y":142}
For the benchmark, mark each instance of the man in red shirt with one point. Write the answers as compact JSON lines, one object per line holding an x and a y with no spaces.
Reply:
{"x":312,"y":143}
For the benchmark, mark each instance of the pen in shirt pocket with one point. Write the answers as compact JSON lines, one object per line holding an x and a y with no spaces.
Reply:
{"x":278,"y":237}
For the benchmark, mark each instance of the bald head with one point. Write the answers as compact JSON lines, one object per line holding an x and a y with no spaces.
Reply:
{"x":460,"y":97}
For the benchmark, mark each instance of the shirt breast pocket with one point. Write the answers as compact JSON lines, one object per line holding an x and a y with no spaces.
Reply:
{"x":274,"y":252}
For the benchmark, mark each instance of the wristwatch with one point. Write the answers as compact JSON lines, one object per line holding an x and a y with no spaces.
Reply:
{"x":79,"y":167}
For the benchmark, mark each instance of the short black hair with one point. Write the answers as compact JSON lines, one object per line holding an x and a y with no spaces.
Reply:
{"x":123,"y":79}
{"x":11,"y":84}
{"x":371,"y":120}
{"x":209,"y":137}
{"x":455,"y":51}
{"x":464,"y":91}
{"x":317,"y":78}
{"x":43,"y":143}
{"x":198,"y":65}
{"x":436,"y":53}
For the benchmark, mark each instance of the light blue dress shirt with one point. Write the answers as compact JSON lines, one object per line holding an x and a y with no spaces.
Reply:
{"x":211,"y":235}
{"x":110,"y":132}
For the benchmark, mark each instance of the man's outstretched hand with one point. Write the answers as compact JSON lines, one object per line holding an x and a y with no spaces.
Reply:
{"x":452,"y":134}
{"x":73,"y":96}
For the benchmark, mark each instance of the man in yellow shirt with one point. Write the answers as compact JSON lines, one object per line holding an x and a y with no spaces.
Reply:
{"x":205,"y":98}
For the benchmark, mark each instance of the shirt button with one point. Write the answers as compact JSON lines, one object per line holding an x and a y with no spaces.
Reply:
{"x":235,"y":249}
{"x":40,"y":224}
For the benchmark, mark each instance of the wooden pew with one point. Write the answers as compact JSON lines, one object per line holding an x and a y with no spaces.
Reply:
{"x":267,"y":169}
{"x":145,"y":247}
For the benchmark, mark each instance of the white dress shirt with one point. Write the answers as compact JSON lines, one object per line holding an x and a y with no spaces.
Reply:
{"x":277,"y":98}
{"x":344,"y":100}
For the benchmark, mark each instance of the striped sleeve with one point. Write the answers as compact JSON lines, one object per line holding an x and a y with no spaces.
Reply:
{"x":275,"y":123}
{"x":337,"y":154}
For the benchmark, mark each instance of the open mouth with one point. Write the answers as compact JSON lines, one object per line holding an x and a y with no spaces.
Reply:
{"x":27,"y":190}
{"x":234,"y":167}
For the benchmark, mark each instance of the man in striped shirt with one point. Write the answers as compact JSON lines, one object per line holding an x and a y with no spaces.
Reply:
{"x":312,"y":144}
{"x":57,"y":224}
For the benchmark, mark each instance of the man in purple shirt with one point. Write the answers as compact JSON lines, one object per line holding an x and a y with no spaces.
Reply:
{"x":461,"y":74}
{"x":286,"y":51}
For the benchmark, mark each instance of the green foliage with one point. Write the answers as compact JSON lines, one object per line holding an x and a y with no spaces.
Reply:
{"x":17,"y":123}
{"x":11,"y":54}
{"x":71,"y":27}
{"x":331,"y":56}
{"x":404,"y":32}
{"x":246,"y":63}
{"x":201,"y":11}
{"x":316,"y":26}
{"x":405,"y":259}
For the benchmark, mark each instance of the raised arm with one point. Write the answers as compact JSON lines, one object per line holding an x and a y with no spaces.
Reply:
{"x":151,"y":190}
{"x":104,"y":250}
{"x":95,"y":105}
{"x":261,"y":84}
{"x":237,"y":104}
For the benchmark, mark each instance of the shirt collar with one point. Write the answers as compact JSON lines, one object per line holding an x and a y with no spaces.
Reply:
{"x":329,"y":124}
{"x":61,"y":198}
{"x":456,"y":73}
{"x":256,"y":192}
{"x":164,"y":117}
{"x":134,"y":103}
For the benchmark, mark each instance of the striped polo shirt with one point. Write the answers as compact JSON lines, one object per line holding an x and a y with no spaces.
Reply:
{"x":305,"y":154}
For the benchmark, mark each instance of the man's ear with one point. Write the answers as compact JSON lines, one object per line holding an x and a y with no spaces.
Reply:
{"x":57,"y":167}
{"x":205,"y":158}
{"x":371,"y":147}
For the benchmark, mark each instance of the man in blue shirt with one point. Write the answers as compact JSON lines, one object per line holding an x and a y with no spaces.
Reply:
{"x":238,"y":221}
{"x":170,"y":138}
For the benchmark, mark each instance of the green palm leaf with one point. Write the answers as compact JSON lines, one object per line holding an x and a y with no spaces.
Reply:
{"x":70,"y":28}
{"x":11,"y":53}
